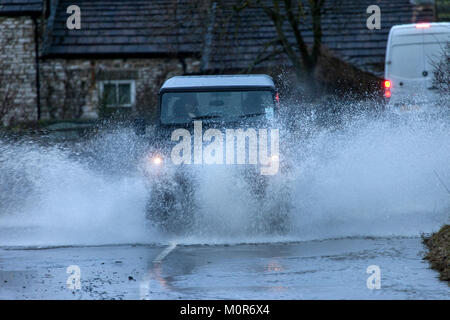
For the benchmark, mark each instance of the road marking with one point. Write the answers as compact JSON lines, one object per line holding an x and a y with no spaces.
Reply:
{"x":144,"y":286}
{"x":144,"y":289}
{"x":165,"y":253}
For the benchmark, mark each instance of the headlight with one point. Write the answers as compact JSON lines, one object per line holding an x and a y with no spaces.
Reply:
{"x":156,"y":160}
{"x":153,"y":164}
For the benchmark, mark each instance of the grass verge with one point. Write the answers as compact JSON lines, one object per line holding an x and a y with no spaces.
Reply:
{"x":439,"y":252}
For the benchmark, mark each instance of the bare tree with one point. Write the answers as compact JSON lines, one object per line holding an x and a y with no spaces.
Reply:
{"x":293,"y":14}
{"x":64,"y":92}
{"x":441,"y":79}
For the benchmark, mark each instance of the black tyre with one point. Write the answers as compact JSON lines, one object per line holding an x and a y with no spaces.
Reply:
{"x":171,"y":205}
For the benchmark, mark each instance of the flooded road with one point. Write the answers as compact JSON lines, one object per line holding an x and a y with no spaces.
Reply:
{"x":359,"y":197}
{"x":327,"y":269}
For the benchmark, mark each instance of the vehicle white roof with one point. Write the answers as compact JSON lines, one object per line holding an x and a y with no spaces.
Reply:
{"x":211,"y":81}
{"x":441,"y":27}
{"x":412,"y":34}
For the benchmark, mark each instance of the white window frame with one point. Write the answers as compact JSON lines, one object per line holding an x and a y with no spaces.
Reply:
{"x":132,"y":84}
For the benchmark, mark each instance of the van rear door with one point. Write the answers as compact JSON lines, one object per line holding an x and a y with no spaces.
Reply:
{"x":411,"y":56}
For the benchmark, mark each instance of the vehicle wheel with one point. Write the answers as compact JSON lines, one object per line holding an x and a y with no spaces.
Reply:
{"x":171,"y":205}
{"x":272,"y":215}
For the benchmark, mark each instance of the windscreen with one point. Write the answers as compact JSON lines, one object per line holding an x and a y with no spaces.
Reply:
{"x":184,"y":107}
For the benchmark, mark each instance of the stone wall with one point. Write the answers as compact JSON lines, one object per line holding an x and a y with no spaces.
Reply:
{"x":18,"y":99}
{"x":70,"y":88}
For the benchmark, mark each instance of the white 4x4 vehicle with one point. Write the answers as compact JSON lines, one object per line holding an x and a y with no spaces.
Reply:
{"x":238,"y":105}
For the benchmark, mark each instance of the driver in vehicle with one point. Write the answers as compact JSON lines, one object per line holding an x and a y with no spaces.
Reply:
{"x":186,"y":107}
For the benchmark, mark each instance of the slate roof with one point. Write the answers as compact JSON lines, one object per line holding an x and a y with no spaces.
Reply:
{"x":144,"y":27}
{"x":21,"y":7}
{"x":128,"y":27}
{"x":343,"y":26}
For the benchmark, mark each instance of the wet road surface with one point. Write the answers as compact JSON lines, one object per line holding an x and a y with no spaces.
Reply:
{"x":327,"y":269}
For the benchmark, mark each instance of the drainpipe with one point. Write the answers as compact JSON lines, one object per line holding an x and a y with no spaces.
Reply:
{"x":38,"y":83}
{"x":208,"y":38}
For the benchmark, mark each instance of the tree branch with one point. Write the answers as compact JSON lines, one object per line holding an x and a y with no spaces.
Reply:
{"x":316,"y":7}
{"x":261,"y":58}
{"x":295,"y":25}
{"x":277,"y":19}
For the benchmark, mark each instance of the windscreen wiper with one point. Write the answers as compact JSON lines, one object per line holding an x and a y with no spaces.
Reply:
{"x":252,"y":114}
{"x":207,"y":116}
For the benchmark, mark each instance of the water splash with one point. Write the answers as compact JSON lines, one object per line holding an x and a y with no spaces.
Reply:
{"x":366,"y":176}
{"x":375,"y":177}
{"x":51,"y":196}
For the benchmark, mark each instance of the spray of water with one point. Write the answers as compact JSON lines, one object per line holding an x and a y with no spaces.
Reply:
{"x":51,"y":196}
{"x":375,"y":177}
{"x":367,"y":176}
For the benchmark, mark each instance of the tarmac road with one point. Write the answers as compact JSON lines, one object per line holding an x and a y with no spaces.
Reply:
{"x":326,"y":269}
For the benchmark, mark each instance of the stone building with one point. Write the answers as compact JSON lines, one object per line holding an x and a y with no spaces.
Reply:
{"x":19,"y":30}
{"x":124,"y":50}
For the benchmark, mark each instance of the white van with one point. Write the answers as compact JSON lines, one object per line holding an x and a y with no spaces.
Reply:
{"x":412,"y":51}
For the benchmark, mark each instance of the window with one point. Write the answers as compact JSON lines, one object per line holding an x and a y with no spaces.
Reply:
{"x":118,"y":93}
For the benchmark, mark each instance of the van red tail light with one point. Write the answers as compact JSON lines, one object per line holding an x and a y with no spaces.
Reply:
{"x":277,"y":97}
{"x":387,"y":88}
